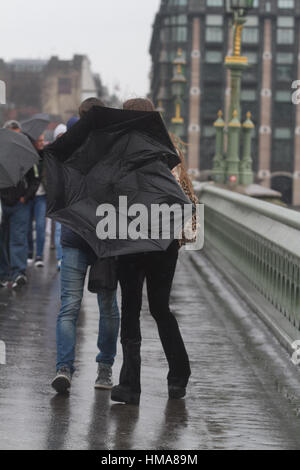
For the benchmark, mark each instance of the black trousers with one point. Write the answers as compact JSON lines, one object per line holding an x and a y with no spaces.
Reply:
{"x":158,"y":269}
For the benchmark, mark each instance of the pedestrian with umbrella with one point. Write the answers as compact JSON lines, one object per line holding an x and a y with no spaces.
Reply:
{"x":18,"y":185}
{"x":158,"y":269}
{"x":77,"y":256}
{"x":111,"y":154}
{"x":34,"y":128}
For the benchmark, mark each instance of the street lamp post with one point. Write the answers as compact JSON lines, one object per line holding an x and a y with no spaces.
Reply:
{"x":236,"y":63}
{"x":178,"y":89}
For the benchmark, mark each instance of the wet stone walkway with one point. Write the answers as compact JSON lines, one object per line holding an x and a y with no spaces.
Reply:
{"x":234,"y":400}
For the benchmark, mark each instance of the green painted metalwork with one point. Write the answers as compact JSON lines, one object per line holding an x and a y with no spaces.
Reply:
{"x":233,"y":159}
{"x":218,"y":171}
{"x":261,"y":240}
{"x":246,"y":172}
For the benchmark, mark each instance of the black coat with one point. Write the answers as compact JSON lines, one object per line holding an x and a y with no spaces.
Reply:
{"x":26,"y":188}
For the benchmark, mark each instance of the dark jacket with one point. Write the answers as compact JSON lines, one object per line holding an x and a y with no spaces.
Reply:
{"x":26,"y":188}
{"x":70,"y":239}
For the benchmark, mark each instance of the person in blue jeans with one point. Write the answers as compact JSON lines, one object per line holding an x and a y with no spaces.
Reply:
{"x":13,"y":244}
{"x":38,"y":213}
{"x":75,"y":263}
{"x":77,"y":255}
{"x":14,"y":226}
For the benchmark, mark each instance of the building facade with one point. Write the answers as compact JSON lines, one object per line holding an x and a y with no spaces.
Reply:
{"x":271,"y":40}
{"x":56,"y":87}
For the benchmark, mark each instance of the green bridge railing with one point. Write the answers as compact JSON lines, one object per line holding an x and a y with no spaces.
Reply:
{"x":261,"y":240}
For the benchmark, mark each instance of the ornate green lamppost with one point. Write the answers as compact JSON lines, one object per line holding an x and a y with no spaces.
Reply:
{"x":237,"y":63}
{"x":178,"y":89}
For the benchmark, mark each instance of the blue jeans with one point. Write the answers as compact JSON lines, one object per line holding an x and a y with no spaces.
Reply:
{"x":73,"y":272}
{"x":58,"y":246}
{"x":37,"y":212}
{"x":13,"y":241}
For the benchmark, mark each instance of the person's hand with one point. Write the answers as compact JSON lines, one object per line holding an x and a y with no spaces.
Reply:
{"x":22,"y":200}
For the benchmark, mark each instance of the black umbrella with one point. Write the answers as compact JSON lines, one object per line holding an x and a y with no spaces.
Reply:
{"x":36,"y":125}
{"x":112,"y":154}
{"x":17,"y":156}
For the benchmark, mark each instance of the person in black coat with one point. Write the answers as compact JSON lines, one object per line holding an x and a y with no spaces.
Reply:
{"x":14,"y":227}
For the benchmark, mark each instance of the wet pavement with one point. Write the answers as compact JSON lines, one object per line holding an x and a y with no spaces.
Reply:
{"x":243,"y":394}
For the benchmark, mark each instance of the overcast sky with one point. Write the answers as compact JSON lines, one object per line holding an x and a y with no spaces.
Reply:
{"x":115,"y":34}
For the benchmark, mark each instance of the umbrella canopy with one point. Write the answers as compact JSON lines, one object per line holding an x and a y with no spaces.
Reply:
{"x":119,"y":154}
{"x":17,"y":156}
{"x":36,"y":125}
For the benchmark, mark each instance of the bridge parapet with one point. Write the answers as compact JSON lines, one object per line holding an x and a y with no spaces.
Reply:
{"x":261,"y":240}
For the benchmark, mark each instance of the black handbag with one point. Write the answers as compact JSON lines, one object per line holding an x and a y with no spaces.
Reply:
{"x":103,"y":275}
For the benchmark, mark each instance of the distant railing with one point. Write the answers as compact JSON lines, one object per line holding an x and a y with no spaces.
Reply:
{"x":260,"y":239}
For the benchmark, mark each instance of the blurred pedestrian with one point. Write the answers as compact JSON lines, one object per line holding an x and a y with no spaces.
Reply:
{"x":14,"y":225}
{"x":58,"y":132}
{"x":158,"y":269}
{"x":77,"y":256}
{"x":13,"y":125}
{"x":38,"y":212}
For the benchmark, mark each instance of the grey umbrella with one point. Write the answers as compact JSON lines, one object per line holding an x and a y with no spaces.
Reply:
{"x":36,"y":125}
{"x":17,"y":156}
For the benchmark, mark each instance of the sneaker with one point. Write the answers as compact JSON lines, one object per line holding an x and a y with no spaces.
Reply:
{"x":3,"y":283}
{"x":104,"y":377}
{"x":30,"y":259}
{"x":58,"y":266}
{"x":39,"y":263}
{"x":62,"y":381}
{"x":20,"y":281}
{"x":175,"y":393}
{"x":123,"y":394}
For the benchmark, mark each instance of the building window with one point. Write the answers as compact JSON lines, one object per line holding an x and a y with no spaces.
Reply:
{"x":209,"y":131}
{"x":250,"y":35}
{"x":179,"y":34}
{"x":214,"y":28}
{"x":251,"y":30}
{"x":214,"y":3}
{"x":213,"y":57}
{"x":286,"y":3}
{"x":284,"y":73}
{"x":175,"y":20}
{"x":252,"y":57}
{"x":214,"y":20}
{"x":248,"y":95}
{"x":175,"y":3}
{"x":284,"y":58}
{"x":282,"y":133}
{"x":64,"y":86}
{"x":283,"y":96}
{"x":285,"y":30}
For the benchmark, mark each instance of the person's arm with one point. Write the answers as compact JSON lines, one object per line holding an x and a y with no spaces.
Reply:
{"x":66,"y":145}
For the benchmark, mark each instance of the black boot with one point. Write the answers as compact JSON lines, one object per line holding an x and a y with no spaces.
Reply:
{"x":129,"y":388}
{"x":124,"y":394}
